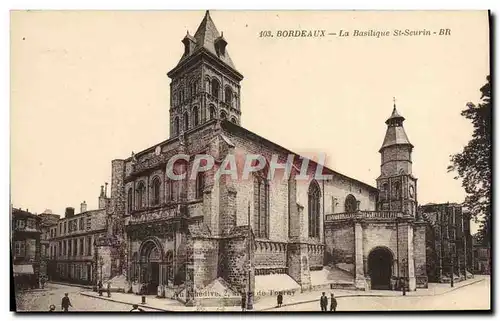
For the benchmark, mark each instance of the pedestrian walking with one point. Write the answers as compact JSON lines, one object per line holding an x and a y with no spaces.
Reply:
{"x":109,"y":289}
{"x":243,"y":302}
{"x":99,"y":287}
{"x":280,"y":299}
{"x":323,"y":301}
{"x":65,"y":303}
{"x":135,"y":308}
{"x":333,"y":303}
{"x":52,"y":308}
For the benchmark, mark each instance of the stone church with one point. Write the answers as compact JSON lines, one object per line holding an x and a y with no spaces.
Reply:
{"x":194,"y":239}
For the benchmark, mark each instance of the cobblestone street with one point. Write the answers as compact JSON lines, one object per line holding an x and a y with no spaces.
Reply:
{"x":474,"y":295}
{"x":40,"y":300}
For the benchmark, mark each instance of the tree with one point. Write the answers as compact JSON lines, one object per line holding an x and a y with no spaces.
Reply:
{"x":473,"y":164}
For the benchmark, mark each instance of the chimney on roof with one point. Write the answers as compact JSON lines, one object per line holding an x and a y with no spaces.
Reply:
{"x":83,"y":207}
{"x":102,"y":198}
{"x":70,"y":212}
{"x":106,"y":189}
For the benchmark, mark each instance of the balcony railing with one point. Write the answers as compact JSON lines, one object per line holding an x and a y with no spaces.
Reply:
{"x":370,"y":215}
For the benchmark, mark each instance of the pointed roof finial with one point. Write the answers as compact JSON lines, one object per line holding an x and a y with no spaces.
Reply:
{"x":207,"y":13}
{"x":394,"y":101}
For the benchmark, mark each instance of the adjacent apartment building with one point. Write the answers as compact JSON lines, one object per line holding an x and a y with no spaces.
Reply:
{"x":72,"y":255}
{"x":25,"y":242}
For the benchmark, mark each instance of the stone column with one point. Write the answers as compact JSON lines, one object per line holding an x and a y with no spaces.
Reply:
{"x":360,"y":281}
{"x":411,"y":262}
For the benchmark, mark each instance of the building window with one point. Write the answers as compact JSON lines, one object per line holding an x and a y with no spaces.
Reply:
{"x":186,"y":121}
{"x":200,"y":184}
{"x":89,"y":245}
{"x":65,"y":227}
{"x":81,"y":247}
{"x":141,"y":189}
{"x":350,"y":204}
{"x":75,"y":246}
{"x":176,"y":126}
{"x":82,"y":223}
{"x":20,"y":224}
{"x":70,"y":247}
{"x":31,"y":224}
{"x":196,"y":116}
{"x":397,"y":190}
{"x":228,"y":95}
{"x":156,"y":191}
{"x":129,"y":200}
{"x":89,"y":223}
{"x":20,"y":248}
{"x":60,"y":228}
{"x":212,"y":112}
{"x":261,"y":203}
{"x":215,"y":88}
{"x":223,"y":115}
{"x":314,"y":196}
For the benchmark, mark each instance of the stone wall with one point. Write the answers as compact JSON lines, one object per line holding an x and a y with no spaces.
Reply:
{"x":419,"y":248}
{"x":270,"y":255}
{"x":339,"y":242}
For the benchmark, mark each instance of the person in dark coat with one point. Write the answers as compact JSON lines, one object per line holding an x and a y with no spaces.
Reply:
{"x":135,"y":308}
{"x":109,"y":289}
{"x":323,"y":301}
{"x":65,"y":303}
{"x":280,"y":299}
{"x":243,"y":301}
{"x":99,"y":287}
{"x":333,"y":303}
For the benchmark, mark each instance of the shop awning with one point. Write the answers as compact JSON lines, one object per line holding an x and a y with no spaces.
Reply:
{"x":23,"y":269}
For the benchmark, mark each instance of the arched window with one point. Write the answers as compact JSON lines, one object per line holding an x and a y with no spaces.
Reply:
{"x":196,"y":116}
{"x":141,"y":190}
{"x":130,"y":200}
{"x":396,"y":190}
{"x":215,"y":88}
{"x":181,"y":95}
{"x":156,"y":190}
{"x":350,"y":204}
{"x":212,"y":112}
{"x":228,"y":95}
{"x":168,"y":190}
{"x":314,"y":195}
{"x":385,"y":191}
{"x":223,"y":115}
{"x":200,"y":184}
{"x":186,"y":121}
{"x":261,"y":205}
{"x":233,"y":120}
{"x":176,"y":126}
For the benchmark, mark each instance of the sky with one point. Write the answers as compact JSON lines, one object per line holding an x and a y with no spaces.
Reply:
{"x":90,"y":87}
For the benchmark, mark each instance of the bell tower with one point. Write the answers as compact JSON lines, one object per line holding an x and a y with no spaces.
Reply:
{"x":396,"y":183}
{"x":205,"y":83}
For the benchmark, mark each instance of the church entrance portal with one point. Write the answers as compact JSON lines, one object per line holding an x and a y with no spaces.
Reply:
{"x":380,"y":268}
{"x":151,"y":259}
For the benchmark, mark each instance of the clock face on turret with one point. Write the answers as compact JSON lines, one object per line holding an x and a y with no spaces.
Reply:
{"x":412,"y":191}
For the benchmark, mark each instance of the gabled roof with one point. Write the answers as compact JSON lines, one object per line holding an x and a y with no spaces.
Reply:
{"x":205,"y":37}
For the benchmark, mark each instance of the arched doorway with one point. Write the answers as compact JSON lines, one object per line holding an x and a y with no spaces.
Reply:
{"x":380,"y":268}
{"x":151,"y":257}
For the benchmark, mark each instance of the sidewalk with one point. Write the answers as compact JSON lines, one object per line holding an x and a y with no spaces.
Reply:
{"x":70,"y":284}
{"x":269,"y":303}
